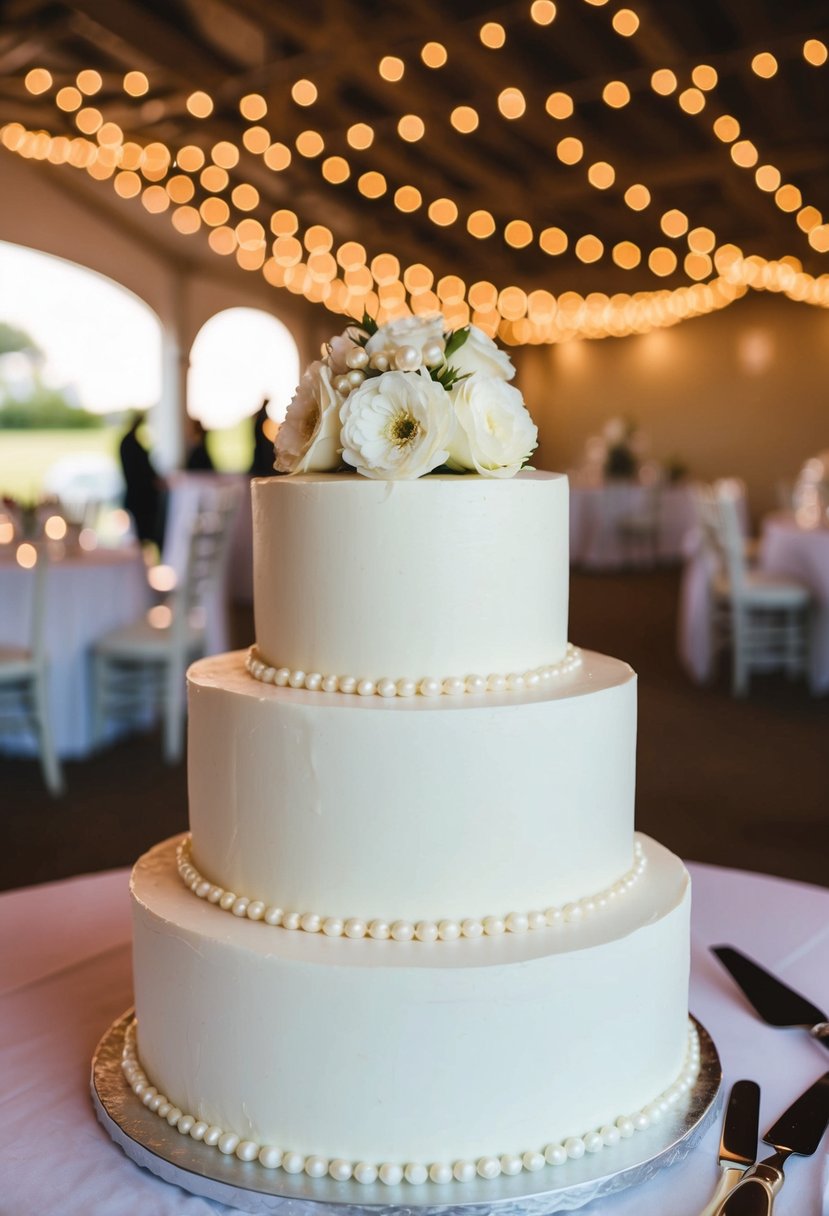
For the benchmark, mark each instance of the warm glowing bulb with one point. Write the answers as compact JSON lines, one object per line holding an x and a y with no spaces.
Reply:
{"x":518,"y":234}
{"x":127,"y":184}
{"x":704,"y":76}
{"x":391,"y":68}
{"x":701,"y":240}
{"x":68,"y":98}
{"x":136,"y":84}
{"x":764,"y":65}
{"x":434,"y":55}
{"x":418,"y":278}
{"x":744,"y":154}
{"x":214,"y":211}
{"x":318,"y":239}
{"x":89,"y":81}
{"x":559,"y":105}
{"x":726,"y":128}
{"x":304,"y":92}
{"x":372,"y":184}
{"x":589,"y":248}
{"x":245,"y":197}
{"x":257,"y":140}
{"x":815,"y":52}
{"x":411,"y":128}
{"x":225,"y":154}
{"x":767,"y":178}
{"x":180,"y":188}
{"x":284,"y":222}
{"x":697,"y":265}
{"x":199,"y":104}
{"x":569,"y":150}
{"x":407,"y":198}
{"x":626,"y":255}
{"x":190,"y":158}
{"x":464,"y":119}
{"x":788,"y":198}
{"x":601,"y":175}
{"x":637,"y":197}
{"x":253,"y":107}
{"x":493,"y":35}
{"x":480,"y":224}
{"x":186,"y":220}
{"x":663,"y":81}
{"x":511,"y":103}
{"x":214,"y":178}
{"x":38,"y":80}
{"x":335,"y":169}
{"x":553,"y":241}
{"x":55,"y":527}
{"x":616,"y":94}
{"x":26,"y":556}
{"x":674,"y":223}
{"x":543,"y":12}
{"x":625,"y":22}
{"x":662,"y":261}
{"x":808,"y":218}
{"x":89,"y":120}
{"x":692,"y":101}
{"x":443,"y":211}
{"x":360,"y":136}
{"x":278,"y":157}
{"x":310,"y":143}
{"x":156,"y":199}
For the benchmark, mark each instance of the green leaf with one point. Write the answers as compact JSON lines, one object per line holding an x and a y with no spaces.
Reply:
{"x":447,"y":376}
{"x":455,"y":341}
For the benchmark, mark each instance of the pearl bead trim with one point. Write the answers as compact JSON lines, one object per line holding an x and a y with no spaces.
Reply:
{"x":428,"y":686}
{"x":415,"y":1173}
{"x":405,"y":930}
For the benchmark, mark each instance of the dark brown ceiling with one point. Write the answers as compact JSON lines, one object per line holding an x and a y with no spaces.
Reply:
{"x":233,"y":47}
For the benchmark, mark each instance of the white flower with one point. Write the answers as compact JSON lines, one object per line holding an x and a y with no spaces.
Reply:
{"x":495,"y":434}
{"x":338,"y":350}
{"x":479,"y":354}
{"x":308,"y":440}
{"x":406,"y":331}
{"x":397,"y":426}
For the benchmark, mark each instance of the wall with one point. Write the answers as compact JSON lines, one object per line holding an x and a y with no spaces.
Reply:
{"x":743,"y":392}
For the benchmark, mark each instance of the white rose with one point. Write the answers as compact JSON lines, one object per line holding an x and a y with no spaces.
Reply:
{"x":308,"y":440}
{"x":495,"y":434}
{"x":406,"y":331}
{"x":480,"y":354}
{"x":397,"y":426}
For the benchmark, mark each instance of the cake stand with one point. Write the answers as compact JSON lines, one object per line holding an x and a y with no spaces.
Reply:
{"x":153,"y":1144}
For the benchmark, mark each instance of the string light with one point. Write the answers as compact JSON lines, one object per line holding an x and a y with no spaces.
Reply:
{"x":38,"y":80}
{"x":434,"y":55}
{"x":253,"y":107}
{"x":391,"y":68}
{"x":493,"y":35}
{"x":199,"y":104}
{"x":304,"y":92}
{"x":464,"y":119}
{"x":136,"y":84}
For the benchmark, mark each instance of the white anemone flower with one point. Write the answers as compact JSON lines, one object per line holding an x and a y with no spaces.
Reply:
{"x":308,"y":441}
{"x":494,"y":434}
{"x":397,"y":426}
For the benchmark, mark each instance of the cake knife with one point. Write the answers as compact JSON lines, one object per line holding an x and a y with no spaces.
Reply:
{"x":738,"y":1143}
{"x":799,"y":1130}
{"x":775,"y":1003}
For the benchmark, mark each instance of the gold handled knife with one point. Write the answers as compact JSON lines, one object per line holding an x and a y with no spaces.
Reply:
{"x":738,"y":1143}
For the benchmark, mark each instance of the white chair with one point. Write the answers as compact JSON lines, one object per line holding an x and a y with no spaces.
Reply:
{"x":23,"y":699}
{"x":639,"y":530}
{"x":143,"y":664}
{"x":768,"y":615}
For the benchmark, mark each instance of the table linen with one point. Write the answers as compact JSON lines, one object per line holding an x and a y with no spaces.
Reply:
{"x":86,"y":596}
{"x":596,"y":513}
{"x":803,"y":554}
{"x":66,"y":977}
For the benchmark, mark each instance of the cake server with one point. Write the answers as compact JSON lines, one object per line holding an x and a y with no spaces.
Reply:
{"x":738,"y":1143}
{"x":771,"y":998}
{"x":800,"y":1130}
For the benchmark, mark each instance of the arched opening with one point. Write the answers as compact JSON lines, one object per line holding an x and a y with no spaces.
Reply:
{"x":78,"y":352}
{"x":240,"y":358}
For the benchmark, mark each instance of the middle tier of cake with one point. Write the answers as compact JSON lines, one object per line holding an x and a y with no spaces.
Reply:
{"x":417,"y":810}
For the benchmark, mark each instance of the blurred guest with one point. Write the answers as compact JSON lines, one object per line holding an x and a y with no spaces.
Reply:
{"x":143,"y":497}
{"x":198,"y":457}
{"x":263,"y":454}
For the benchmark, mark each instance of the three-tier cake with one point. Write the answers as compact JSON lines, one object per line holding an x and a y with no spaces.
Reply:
{"x":412,"y":933}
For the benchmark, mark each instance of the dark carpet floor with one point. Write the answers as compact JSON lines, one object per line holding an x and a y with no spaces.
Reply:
{"x":737,"y":783}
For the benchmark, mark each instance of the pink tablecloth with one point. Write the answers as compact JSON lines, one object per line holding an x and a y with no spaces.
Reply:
{"x":66,"y":976}
{"x":596,"y":512}
{"x":803,"y":554}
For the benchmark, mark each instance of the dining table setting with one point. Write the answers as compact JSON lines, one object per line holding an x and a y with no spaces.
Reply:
{"x":759,"y":986}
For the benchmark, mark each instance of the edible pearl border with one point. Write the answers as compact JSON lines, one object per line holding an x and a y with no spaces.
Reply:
{"x":416,"y":1173}
{"x":404,"y":930}
{"x":429,"y":686}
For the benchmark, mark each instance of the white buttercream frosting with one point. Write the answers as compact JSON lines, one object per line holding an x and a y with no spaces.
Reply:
{"x":416,"y":1173}
{"x":440,"y":576}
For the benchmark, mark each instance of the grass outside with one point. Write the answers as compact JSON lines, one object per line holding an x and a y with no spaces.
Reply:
{"x":27,"y":456}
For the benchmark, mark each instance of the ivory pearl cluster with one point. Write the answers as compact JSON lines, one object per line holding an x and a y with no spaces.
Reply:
{"x":416,"y":1173}
{"x":403,"y":359}
{"x":428,"y":686}
{"x":445,"y":930}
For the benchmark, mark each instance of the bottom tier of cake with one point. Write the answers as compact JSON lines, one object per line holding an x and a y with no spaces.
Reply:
{"x":401,"y":1056}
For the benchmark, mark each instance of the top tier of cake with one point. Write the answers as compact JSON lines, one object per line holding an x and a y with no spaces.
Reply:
{"x":438,"y":577}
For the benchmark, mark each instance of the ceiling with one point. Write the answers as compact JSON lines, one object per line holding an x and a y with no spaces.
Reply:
{"x":507,"y":173}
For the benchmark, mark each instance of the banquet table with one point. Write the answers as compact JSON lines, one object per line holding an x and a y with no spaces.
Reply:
{"x":87,"y":594}
{"x":66,"y":976}
{"x":596,"y":513}
{"x":803,"y":554}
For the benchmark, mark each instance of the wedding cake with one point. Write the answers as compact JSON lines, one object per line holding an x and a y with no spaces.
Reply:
{"x":412,"y":934}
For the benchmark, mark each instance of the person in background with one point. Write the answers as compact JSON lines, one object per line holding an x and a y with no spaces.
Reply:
{"x":143,"y":496}
{"x":263,"y":454}
{"x":198,"y":458}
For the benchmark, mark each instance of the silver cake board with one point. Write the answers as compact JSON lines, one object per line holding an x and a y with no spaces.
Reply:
{"x":150,"y":1142}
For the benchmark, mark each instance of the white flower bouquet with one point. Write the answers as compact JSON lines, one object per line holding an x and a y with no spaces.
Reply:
{"x":400,"y":400}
